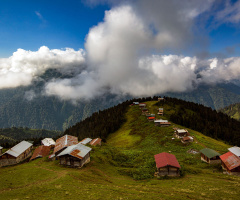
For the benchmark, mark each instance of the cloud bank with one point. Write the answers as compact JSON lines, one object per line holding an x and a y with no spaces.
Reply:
{"x":123,"y":55}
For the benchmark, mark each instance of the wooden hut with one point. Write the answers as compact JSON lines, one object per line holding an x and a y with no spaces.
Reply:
{"x":187,"y":139}
{"x":96,"y":141}
{"x":160,"y":111}
{"x":151,"y":119}
{"x":210,"y":156}
{"x":180,"y":133}
{"x":63,"y":142}
{"x":160,"y":99}
{"x":75,"y":155}
{"x":1,"y":148}
{"x":48,"y":142}
{"x":167,"y":164}
{"x":235,"y":150}
{"x":16,"y":154}
{"x":40,"y":152}
{"x":144,"y":111}
{"x":142,"y":105}
{"x":161,"y":122}
{"x":231,"y":163}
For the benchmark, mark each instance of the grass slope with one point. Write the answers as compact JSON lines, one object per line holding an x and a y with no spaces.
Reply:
{"x":114,"y":168}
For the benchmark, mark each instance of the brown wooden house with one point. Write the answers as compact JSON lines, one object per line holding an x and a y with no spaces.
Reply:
{"x":187,"y":139}
{"x":180,"y":133}
{"x":75,"y":155}
{"x":210,"y":156}
{"x":167,"y":164}
{"x":63,"y":142}
{"x":231,"y":163}
{"x":160,"y":111}
{"x":16,"y":154}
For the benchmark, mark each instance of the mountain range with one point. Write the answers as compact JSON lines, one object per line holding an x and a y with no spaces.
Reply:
{"x":29,"y":107}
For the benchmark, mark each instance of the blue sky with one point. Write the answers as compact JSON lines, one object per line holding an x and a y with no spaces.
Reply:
{"x":30,"y":24}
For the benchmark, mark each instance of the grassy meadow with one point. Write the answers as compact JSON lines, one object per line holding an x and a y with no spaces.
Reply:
{"x":123,"y":168}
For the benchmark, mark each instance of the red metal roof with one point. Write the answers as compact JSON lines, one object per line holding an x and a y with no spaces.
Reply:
{"x":151,"y":117}
{"x":65,"y":141}
{"x":230,"y":160}
{"x":166,"y":159}
{"x":41,"y":151}
{"x":95,"y":142}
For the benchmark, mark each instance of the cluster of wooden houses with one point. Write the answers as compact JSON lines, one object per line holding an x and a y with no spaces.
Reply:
{"x":183,"y":134}
{"x":67,"y":149}
{"x":230,"y":161}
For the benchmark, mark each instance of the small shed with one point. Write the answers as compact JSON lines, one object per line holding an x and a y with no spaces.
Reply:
{"x":167,"y":164}
{"x":41,"y":151}
{"x":230,"y":163}
{"x":187,"y":139}
{"x":1,"y":148}
{"x":75,"y":155}
{"x":210,"y":156}
{"x":160,"y":111}
{"x":135,"y":103}
{"x":85,"y":141}
{"x":16,"y":154}
{"x":63,"y":142}
{"x":180,"y":133}
{"x":162,"y":123}
{"x":160,"y":99}
{"x":96,"y":141}
{"x":142,"y":105}
{"x":235,"y":150}
{"x":48,"y":142}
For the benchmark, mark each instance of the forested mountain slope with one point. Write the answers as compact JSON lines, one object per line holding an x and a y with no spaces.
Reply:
{"x":233,"y":111}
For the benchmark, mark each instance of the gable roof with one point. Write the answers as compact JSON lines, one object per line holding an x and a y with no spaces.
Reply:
{"x":78,"y":151}
{"x":48,"y":142}
{"x":41,"y":151}
{"x":182,"y":131}
{"x":95,"y":141}
{"x":235,"y":150}
{"x":85,"y":141}
{"x":1,"y":147}
{"x":18,"y":149}
{"x":160,"y":121}
{"x":166,"y":159}
{"x":210,"y":153}
{"x":230,"y":160}
{"x":65,"y":141}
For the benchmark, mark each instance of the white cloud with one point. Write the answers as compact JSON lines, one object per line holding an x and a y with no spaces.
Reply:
{"x":24,"y":66}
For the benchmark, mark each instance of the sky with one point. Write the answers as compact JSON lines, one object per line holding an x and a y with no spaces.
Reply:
{"x":123,"y":47}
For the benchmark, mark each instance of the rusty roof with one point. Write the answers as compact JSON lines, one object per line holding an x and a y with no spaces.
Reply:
{"x":230,"y":160}
{"x":65,"y":141}
{"x":41,"y":151}
{"x":151,"y":117}
{"x":78,"y":151}
{"x":95,"y":141}
{"x":166,"y":159}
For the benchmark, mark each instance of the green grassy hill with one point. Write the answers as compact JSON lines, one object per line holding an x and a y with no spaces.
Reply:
{"x":232,"y":111}
{"x":123,"y":168}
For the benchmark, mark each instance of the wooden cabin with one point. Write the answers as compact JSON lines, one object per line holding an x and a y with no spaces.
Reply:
{"x":235,"y":150}
{"x":135,"y":103}
{"x":40,"y":152}
{"x":160,"y":111}
{"x":16,"y":154}
{"x":96,"y":141}
{"x":187,"y":139}
{"x":160,"y":99}
{"x":162,"y":123}
{"x":85,"y":141}
{"x":181,"y":133}
{"x":210,"y":156}
{"x":63,"y":142}
{"x":167,"y":164}
{"x":144,"y":111}
{"x":48,"y":142}
{"x":230,"y":163}
{"x":1,"y":148}
{"x":75,"y":155}
{"x":142,"y":105}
